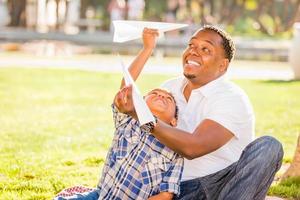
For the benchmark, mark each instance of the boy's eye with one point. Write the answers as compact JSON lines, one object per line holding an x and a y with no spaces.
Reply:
{"x":170,"y":99}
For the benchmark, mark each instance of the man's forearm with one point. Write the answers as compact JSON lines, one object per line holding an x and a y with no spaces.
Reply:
{"x":188,"y":145}
{"x":178,"y":140}
{"x":206,"y":138}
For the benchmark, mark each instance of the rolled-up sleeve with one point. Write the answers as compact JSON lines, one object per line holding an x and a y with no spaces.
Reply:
{"x":171,"y":179}
{"x":118,"y":117}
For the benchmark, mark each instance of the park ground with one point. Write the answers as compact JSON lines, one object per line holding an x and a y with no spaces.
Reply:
{"x":56,"y":122}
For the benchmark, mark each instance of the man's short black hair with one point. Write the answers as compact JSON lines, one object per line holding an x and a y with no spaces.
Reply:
{"x":228,"y":44}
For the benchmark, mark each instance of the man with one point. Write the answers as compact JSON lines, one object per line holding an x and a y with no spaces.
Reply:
{"x":215,"y":129}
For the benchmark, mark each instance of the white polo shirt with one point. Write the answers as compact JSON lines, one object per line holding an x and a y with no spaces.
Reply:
{"x":223,"y":102}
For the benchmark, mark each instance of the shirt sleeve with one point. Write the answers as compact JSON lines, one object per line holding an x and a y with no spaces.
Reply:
{"x":105,"y":169}
{"x":172,"y":177}
{"x":118,"y":117}
{"x":233,"y":113}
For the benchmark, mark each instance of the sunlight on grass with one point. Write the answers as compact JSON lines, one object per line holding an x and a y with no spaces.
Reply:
{"x":56,"y":125}
{"x":287,"y":188}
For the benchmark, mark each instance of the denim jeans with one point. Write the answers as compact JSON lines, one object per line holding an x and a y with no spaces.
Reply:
{"x":93,"y":195}
{"x":247,"y":179}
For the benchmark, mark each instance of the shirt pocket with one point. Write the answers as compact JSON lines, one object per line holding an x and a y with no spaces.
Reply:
{"x":126,"y":142}
{"x":154,"y":171}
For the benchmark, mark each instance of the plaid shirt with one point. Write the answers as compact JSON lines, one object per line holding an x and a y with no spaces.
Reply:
{"x":138,"y":165}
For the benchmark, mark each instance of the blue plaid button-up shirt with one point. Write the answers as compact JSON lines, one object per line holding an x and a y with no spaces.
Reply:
{"x":138,"y":165}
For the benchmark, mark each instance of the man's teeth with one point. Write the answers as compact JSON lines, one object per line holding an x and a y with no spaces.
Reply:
{"x":193,"y":63}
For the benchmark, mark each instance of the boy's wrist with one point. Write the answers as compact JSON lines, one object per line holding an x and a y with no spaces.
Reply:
{"x":162,"y":196}
{"x":148,"y":49}
{"x":149,"y":127}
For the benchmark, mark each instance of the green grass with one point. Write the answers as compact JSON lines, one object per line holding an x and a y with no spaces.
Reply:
{"x":56,"y":126}
{"x":289,"y":188}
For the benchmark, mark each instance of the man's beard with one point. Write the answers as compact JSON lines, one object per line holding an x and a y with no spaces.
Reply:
{"x":189,"y":76}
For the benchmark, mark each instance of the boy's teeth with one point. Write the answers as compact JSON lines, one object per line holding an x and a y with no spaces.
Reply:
{"x":193,"y":63}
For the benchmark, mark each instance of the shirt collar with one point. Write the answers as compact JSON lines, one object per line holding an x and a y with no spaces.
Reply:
{"x":208,"y":88}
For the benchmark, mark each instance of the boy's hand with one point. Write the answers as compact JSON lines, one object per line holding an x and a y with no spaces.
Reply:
{"x":149,"y":38}
{"x":162,"y":196}
{"x":123,"y":101}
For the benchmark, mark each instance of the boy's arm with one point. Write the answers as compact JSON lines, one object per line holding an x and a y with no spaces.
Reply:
{"x":171,"y":180}
{"x":149,"y":42}
{"x":162,"y":196}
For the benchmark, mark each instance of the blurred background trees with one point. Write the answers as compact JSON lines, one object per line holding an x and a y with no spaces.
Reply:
{"x":243,"y":17}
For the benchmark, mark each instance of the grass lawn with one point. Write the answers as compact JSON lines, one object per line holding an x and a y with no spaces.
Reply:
{"x":56,"y":126}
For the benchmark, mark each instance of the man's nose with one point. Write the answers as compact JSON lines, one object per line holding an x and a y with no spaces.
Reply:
{"x":193,"y":50}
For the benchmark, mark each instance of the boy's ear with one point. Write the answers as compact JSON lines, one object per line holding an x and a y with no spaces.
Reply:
{"x":173,"y":122}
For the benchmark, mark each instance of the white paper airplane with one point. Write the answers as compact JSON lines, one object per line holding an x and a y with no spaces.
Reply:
{"x":129,"y":30}
{"x":142,"y":110}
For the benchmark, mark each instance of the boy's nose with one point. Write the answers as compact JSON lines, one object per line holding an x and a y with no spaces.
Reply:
{"x":161,"y":95}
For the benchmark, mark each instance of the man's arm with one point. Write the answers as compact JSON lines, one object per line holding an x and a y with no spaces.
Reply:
{"x":207,"y":137}
{"x":149,"y":42}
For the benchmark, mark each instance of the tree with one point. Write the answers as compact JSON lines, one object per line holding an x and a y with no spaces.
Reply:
{"x":17,"y":12}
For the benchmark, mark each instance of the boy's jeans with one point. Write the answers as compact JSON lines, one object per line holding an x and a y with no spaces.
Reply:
{"x":247,"y":179}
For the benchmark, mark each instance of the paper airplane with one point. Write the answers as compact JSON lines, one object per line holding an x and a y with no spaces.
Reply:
{"x":142,"y":110}
{"x":129,"y":30}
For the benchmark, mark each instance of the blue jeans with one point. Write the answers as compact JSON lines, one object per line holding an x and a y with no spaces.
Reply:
{"x":93,"y":195}
{"x":247,"y":179}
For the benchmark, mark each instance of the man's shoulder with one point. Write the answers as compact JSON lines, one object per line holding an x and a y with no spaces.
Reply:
{"x":231,"y":89}
{"x":231,"y":97}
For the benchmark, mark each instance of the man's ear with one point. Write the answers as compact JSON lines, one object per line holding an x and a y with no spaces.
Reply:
{"x":224,"y":65}
{"x":173,"y":122}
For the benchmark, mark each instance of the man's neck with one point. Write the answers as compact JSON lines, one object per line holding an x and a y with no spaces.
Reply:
{"x":192,"y":85}
{"x":188,"y":89}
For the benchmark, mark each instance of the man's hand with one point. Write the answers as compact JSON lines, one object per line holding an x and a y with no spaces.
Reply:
{"x":124,"y":102}
{"x":149,"y":38}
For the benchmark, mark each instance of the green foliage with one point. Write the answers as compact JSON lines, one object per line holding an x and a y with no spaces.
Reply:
{"x":251,"y":4}
{"x":56,"y":126}
{"x":155,"y":10}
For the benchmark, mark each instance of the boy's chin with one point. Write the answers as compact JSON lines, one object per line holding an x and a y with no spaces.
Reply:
{"x":157,"y":112}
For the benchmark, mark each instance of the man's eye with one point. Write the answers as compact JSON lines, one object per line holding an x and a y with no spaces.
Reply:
{"x":206,"y":50}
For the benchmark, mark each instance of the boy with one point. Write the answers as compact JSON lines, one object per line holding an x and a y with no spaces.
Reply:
{"x":138,"y":166}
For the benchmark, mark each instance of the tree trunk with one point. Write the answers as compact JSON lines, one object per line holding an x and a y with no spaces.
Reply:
{"x":294,"y":169}
{"x":17,"y":12}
